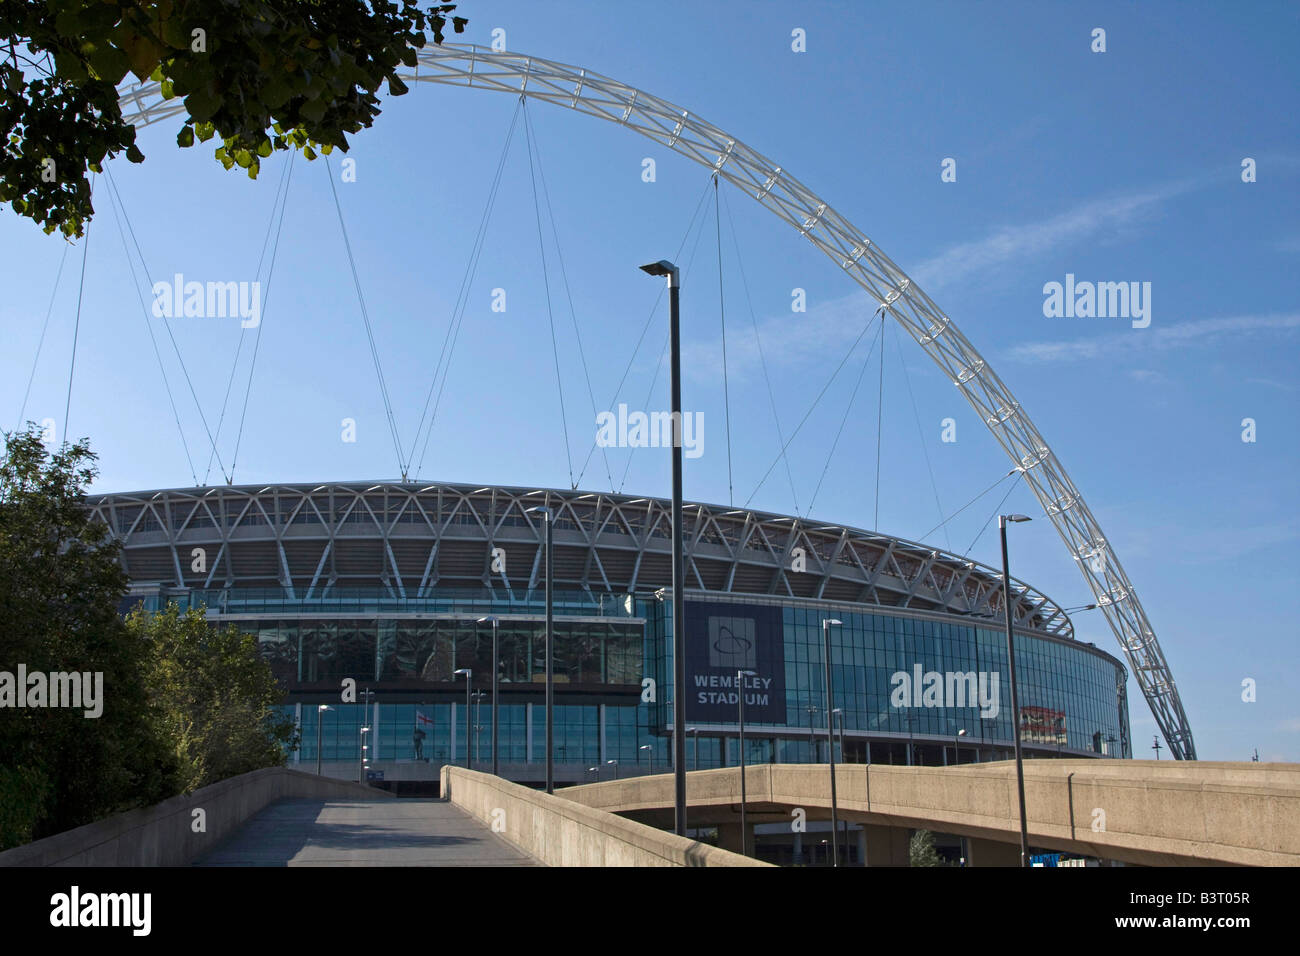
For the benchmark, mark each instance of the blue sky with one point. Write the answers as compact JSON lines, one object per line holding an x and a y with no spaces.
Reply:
{"x":1117,"y":166}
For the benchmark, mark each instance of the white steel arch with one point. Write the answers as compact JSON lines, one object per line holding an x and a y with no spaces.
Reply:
{"x":751,"y":172}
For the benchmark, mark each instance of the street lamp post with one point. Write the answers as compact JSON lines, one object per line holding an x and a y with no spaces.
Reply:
{"x":695,"y":733}
{"x":669,"y":271}
{"x":1015,"y":697}
{"x":365,"y":758}
{"x":830,"y":736}
{"x":469,"y":673}
{"x":956,"y":754}
{"x":478,"y":724}
{"x":319,"y":711}
{"x":614,"y":764}
{"x":496,"y":672}
{"x":550,"y":649}
{"x":740,"y":698}
{"x":650,"y":748}
{"x":812,"y":737}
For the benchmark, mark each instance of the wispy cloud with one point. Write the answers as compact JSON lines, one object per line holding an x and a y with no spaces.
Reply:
{"x":1156,"y":338}
{"x":796,"y":339}
{"x":1280,"y":386}
{"x":1149,"y":376}
{"x":1029,"y":240}
{"x":830,"y":327}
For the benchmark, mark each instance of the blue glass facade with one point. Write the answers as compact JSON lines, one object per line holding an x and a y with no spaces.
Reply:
{"x":614,"y":688}
{"x":1072,"y":696}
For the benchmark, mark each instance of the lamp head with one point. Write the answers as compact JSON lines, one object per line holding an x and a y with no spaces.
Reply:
{"x":662,"y":268}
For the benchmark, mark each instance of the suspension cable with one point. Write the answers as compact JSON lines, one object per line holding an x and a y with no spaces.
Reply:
{"x":257,"y":339}
{"x":803,"y":421}
{"x":968,"y":504}
{"x":573,"y":315}
{"x":76,"y":329}
{"x":921,"y":434}
{"x":365,"y":316}
{"x":153,"y":339}
{"x":722,"y":312}
{"x":144,"y":268}
{"x":282,"y":190}
{"x":452,"y":335}
{"x":44,"y":328}
{"x":1019,"y":474}
{"x":762,"y":359}
{"x":550,"y":313}
{"x":844,"y":420}
{"x":646,"y":327}
{"x":663,"y":353}
{"x":880,"y":417}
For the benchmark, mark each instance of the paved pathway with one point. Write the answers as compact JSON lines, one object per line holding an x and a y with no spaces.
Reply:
{"x":401,"y":832}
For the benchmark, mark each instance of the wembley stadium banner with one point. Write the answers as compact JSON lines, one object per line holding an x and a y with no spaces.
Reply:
{"x":722,"y":639}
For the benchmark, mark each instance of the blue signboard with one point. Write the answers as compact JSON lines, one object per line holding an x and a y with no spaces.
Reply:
{"x":723,"y":640}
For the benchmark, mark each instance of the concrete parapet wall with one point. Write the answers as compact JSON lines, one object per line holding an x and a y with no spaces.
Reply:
{"x":559,"y":832}
{"x":1138,"y":811}
{"x":163,"y":835}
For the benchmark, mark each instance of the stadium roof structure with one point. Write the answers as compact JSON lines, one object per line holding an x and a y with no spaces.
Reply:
{"x":408,"y":539}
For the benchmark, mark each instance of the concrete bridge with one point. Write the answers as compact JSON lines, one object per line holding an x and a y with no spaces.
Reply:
{"x":282,"y":817}
{"x":1146,"y":812}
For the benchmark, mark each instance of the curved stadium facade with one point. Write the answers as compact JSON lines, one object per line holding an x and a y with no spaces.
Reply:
{"x":386,"y":583}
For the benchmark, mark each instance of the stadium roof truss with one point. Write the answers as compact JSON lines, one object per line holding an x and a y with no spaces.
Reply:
{"x":773,"y":187}
{"x":408,"y":539}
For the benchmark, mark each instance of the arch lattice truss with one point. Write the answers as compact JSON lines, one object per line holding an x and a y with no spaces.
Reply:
{"x":752,"y":173}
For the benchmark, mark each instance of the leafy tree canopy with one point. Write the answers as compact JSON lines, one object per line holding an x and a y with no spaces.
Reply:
{"x":216,"y":693}
{"x":60,"y":588}
{"x":259,"y":76}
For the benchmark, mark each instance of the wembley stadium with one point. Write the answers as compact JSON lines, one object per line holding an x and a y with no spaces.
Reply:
{"x":395,"y":586}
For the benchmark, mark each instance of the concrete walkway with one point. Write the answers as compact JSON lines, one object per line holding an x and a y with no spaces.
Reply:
{"x":365,"y":833}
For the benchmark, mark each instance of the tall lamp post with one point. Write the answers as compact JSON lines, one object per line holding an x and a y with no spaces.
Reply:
{"x":651,"y":753}
{"x":1015,"y":697}
{"x":695,"y":732}
{"x":669,"y":271}
{"x":319,"y":719}
{"x":496,"y":671}
{"x":550,"y":649}
{"x":830,"y":735}
{"x":478,"y":724}
{"x":740,"y":699}
{"x":956,"y":754}
{"x":469,"y":673}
